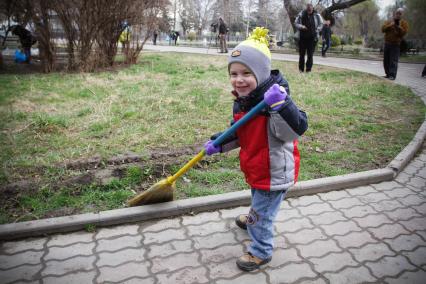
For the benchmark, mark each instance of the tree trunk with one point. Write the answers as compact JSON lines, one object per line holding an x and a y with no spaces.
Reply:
{"x":67,"y":17}
{"x":46,"y":46}
{"x":292,"y":9}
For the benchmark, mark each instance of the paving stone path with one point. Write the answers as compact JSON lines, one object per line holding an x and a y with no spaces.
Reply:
{"x":369,"y":234}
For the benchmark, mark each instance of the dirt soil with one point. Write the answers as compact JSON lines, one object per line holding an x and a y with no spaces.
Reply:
{"x":95,"y":170}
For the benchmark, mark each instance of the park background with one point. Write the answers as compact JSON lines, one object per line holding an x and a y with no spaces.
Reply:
{"x":84,"y":35}
{"x":89,"y":122}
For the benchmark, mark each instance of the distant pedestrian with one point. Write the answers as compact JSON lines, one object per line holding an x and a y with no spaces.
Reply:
{"x":154,"y":38}
{"x":309,"y":23}
{"x":124,"y":39}
{"x":394,"y":30}
{"x":26,"y":39}
{"x":326,"y":38}
{"x":175,"y":36}
{"x":223,"y":30}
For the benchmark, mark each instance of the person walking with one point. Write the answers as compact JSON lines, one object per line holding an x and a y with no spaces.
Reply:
{"x":223,"y":30}
{"x":269,"y":156}
{"x":176,"y":35}
{"x":124,"y":39}
{"x":326,"y":38}
{"x":394,"y":30}
{"x":154,"y":37}
{"x":309,"y":23}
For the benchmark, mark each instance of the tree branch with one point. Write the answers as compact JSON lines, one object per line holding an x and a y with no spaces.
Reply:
{"x":341,"y":5}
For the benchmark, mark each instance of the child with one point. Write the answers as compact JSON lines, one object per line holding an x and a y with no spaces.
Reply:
{"x":268,"y":143}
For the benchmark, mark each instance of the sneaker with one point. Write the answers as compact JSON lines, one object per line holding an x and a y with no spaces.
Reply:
{"x":241,"y":221}
{"x":249,"y":262}
{"x":391,"y":78}
{"x":386,"y":76}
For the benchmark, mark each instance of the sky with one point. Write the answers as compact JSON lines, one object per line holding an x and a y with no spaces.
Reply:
{"x":383,"y":4}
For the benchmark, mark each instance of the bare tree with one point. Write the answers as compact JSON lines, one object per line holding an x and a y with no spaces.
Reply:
{"x":93,"y":28}
{"x":196,"y":14}
{"x":363,"y":20}
{"x":66,"y":11}
{"x":232,"y":12}
{"x":144,"y":17}
{"x":205,"y":15}
{"x":109,"y":27}
{"x":415,"y":14}
{"x":41,"y":17}
{"x":263,"y":13}
{"x":293,"y":7}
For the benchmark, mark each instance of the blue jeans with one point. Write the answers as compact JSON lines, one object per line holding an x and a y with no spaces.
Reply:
{"x":264,"y":208}
{"x":325,"y":46}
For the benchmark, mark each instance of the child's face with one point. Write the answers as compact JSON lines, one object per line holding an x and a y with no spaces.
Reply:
{"x":242,"y":79}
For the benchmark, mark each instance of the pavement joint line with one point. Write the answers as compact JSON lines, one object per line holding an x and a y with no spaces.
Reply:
{"x":228,"y":200}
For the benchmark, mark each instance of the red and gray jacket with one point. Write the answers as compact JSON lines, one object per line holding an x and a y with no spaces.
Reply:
{"x":269,"y":157}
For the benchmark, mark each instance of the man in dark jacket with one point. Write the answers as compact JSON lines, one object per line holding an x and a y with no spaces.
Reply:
{"x":223,"y":30}
{"x":394,"y":31}
{"x":26,"y":39}
{"x":309,"y":24}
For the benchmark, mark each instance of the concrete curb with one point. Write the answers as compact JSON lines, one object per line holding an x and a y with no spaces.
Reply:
{"x":179,"y":207}
{"x":341,"y":182}
{"x":121,"y":216}
{"x":407,"y":154}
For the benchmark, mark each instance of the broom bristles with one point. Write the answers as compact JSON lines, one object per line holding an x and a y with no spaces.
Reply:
{"x":162,"y":191}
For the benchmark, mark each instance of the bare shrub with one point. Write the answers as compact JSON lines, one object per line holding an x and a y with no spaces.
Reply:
{"x":145,"y":17}
{"x":91,"y":27}
{"x":40,"y":15}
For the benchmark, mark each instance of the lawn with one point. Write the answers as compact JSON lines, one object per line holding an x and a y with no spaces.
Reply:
{"x":85,"y":142}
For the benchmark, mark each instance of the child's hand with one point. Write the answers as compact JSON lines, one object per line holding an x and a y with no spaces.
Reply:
{"x":275,"y":96}
{"x":211,"y":149}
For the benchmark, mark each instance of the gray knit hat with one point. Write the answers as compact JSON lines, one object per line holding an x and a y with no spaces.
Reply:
{"x":254,"y":53}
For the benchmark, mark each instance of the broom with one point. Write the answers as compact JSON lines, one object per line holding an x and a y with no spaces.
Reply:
{"x":163,"y":190}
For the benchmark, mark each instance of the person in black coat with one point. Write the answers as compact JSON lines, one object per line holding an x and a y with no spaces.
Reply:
{"x":26,"y":39}
{"x":309,"y":24}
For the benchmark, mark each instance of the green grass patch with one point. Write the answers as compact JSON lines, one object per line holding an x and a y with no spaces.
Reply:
{"x":47,"y":202}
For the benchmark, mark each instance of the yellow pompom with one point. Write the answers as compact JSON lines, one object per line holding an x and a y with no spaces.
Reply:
{"x":260,"y":34}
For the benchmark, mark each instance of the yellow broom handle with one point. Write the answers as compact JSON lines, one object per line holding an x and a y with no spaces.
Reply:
{"x":187,"y":166}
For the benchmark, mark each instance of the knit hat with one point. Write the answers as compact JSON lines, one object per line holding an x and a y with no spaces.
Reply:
{"x":255,"y":54}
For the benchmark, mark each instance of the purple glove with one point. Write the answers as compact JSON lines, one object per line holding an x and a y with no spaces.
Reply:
{"x":211,"y":149}
{"x":275,"y":96}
